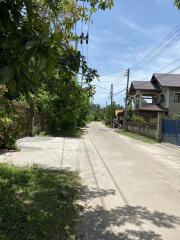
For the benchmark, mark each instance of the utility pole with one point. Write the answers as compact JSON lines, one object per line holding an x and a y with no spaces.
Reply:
{"x":111,"y":93}
{"x":126,"y":100}
{"x":83,"y":38}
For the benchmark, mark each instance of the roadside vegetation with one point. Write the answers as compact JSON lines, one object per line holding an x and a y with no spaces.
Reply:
{"x":136,"y":136}
{"x":39,"y":61}
{"x":104,"y":114}
{"x":37,"y":204}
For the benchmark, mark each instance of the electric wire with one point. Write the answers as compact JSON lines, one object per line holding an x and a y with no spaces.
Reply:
{"x":167,"y":42}
{"x":123,"y":90}
{"x":171,"y":71}
{"x":165,"y":67}
{"x":102,"y":87}
{"x":167,"y":46}
{"x":162,"y":75}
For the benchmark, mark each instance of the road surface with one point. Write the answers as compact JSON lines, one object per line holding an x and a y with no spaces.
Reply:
{"x":131,"y":189}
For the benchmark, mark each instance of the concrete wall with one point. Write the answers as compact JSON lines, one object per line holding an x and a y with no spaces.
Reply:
{"x":147,"y":129}
{"x":37,"y":128}
{"x":173,"y":107}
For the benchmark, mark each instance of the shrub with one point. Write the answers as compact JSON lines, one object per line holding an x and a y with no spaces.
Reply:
{"x":176,"y":117}
{"x":9,"y":128}
{"x":9,"y":118}
{"x":138,"y":119}
{"x":153,"y":121}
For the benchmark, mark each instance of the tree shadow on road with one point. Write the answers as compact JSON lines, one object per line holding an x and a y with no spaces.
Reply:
{"x":87,"y":194}
{"x":97,"y":222}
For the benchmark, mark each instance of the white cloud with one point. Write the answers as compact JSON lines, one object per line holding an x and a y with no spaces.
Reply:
{"x":144,"y":72}
{"x":135,"y":26}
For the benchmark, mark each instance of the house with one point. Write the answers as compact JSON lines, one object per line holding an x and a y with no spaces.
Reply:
{"x":119,"y":113}
{"x":160,"y":94}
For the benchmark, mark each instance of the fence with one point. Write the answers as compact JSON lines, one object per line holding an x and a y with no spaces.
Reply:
{"x":145,"y":129}
{"x":171,"y":131}
{"x":39,"y":122}
{"x":24,"y":112}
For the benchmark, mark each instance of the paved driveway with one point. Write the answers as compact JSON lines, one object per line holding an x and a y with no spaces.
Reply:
{"x":131,"y":189}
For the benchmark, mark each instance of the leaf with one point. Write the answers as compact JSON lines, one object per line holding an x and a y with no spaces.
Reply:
{"x":7,"y":73}
{"x":30,"y":44}
{"x":43,"y":62}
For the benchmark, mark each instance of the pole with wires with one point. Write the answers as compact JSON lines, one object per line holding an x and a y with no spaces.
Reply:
{"x":111,"y":95}
{"x":82,"y":39}
{"x":126,"y":100}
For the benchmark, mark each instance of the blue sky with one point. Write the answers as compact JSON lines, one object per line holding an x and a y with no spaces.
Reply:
{"x":122,"y":36}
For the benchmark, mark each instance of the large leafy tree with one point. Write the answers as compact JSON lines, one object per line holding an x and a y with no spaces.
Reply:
{"x":37,"y":56}
{"x":177,"y":3}
{"x":35,"y":40}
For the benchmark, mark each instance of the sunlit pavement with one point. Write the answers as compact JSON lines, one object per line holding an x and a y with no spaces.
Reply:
{"x":131,"y":189}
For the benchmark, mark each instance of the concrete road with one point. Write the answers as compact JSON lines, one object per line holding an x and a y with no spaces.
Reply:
{"x":131,"y":189}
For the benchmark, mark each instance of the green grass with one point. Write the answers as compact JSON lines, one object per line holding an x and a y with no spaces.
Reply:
{"x":37,"y":204}
{"x":136,"y":136}
{"x":63,"y":133}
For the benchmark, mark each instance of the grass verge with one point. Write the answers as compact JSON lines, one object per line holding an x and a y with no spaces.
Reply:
{"x":136,"y":136}
{"x":64,"y":133}
{"x":37,"y":204}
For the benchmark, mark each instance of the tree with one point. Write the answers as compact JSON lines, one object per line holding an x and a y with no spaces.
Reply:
{"x":37,"y":57}
{"x":177,"y":3}
{"x":96,"y":113}
{"x":36,"y":37}
{"x":62,"y":110}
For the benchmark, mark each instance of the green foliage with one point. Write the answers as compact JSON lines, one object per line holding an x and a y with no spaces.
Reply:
{"x":9,"y":118}
{"x":153,"y":121}
{"x":129,"y":113}
{"x":64,"y":106}
{"x":36,"y":41}
{"x":37,"y":204}
{"x":137,"y":136}
{"x":96,"y":113}
{"x":176,"y":117}
{"x":37,"y":57}
{"x":177,"y":3}
{"x":109,"y":114}
{"x":138,"y":119}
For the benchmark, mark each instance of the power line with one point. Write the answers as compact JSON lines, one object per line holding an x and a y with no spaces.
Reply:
{"x":87,"y":53}
{"x":163,"y":75}
{"x":157,"y":46}
{"x":165,"y":67}
{"x":102,"y":87}
{"x":173,"y":70}
{"x":82,"y":19}
{"x":123,"y":90}
{"x":167,"y":46}
{"x":87,"y":35}
{"x":163,"y":45}
{"x":115,"y":73}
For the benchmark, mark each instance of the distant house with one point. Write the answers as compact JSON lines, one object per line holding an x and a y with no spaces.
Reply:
{"x":119,"y":113}
{"x":160,"y":94}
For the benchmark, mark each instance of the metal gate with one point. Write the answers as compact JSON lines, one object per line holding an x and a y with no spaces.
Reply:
{"x":171,"y":131}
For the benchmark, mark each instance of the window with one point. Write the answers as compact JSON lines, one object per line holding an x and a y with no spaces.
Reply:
{"x":177,"y":97}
